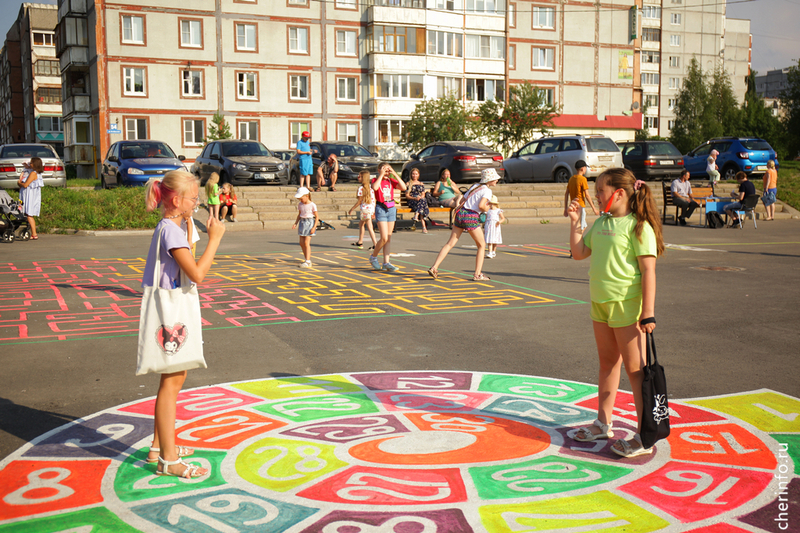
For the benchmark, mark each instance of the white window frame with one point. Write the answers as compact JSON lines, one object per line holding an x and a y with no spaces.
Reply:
{"x":651,"y":57}
{"x":187,"y":77}
{"x":670,"y":124}
{"x":129,"y":74}
{"x":401,"y":82}
{"x":674,"y":40}
{"x":243,"y":36}
{"x":245,"y":130}
{"x":651,"y":100}
{"x":295,"y":129}
{"x":446,"y":85}
{"x":243,"y":81}
{"x":132,"y":38}
{"x":387,"y":126}
{"x":473,"y":84}
{"x":651,"y":12}
{"x":651,"y":122}
{"x":512,"y":56}
{"x":650,"y":78}
{"x":298,"y":85}
{"x":296,"y":44}
{"x":344,"y":86}
{"x":674,"y":83}
{"x":671,"y":102}
{"x":70,"y":131}
{"x":675,"y":19}
{"x":48,"y":38}
{"x":195,"y":36}
{"x":484,"y":47}
{"x":488,"y":7}
{"x":349,"y":127}
{"x":346,"y":43}
{"x":132,"y":128}
{"x":443,"y":43}
{"x":192,"y":132}
{"x":549,"y":95}
{"x":675,"y":61}
{"x":542,"y":58}
{"x":346,"y":4}
{"x":543,"y":18}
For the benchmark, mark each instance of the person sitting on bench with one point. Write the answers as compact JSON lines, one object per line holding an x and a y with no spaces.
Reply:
{"x":682,"y":197}
{"x":746,"y":188}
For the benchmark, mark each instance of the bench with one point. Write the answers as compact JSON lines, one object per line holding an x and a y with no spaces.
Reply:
{"x":404,"y":208}
{"x":698,"y":193}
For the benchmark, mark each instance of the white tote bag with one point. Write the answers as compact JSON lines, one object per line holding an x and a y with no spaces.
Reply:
{"x":170,"y":334}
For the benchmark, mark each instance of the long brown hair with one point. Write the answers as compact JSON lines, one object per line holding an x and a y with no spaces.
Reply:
{"x":366,"y":188}
{"x":640,"y":202}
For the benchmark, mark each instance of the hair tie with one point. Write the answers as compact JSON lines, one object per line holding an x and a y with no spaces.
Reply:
{"x":637,"y":185}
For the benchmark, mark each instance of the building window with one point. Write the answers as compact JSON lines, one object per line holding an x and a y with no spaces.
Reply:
{"x":398,"y":86}
{"x":132,"y":29}
{"x":346,"y":89}
{"x":346,"y":43}
{"x":674,"y":61}
{"x":650,"y":57}
{"x":44,"y":38}
{"x":543,"y":17}
{"x":671,"y":103}
{"x":48,"y":124}
{"x":192,"y":83}
{"x":346,"y":4}
{"x":485,"y":47}
{"x":134,"y":81}
{"x":295,"y":129}
{"x":512,"y":15}
{"x":651,"y":12}
{"x":347,"y":132}
{"x":46,"y":67}
{"x":194,"y":131}
{"x":298,"y":87}
{"x":483,"y":90}
{"x":298,"y":2}
{"x":651,"y":122}
{"x":448,"y":86}
{"x":395,"y":39}
{"x":650,"y":78}
{"x":542,"y":58}
{"x":390,"y":131}
{"x":78,"y":130}
{"x":192,"y":33}
{"x":484,"y":6}
{"x":248,"y":130}
{"x":677,"y":1}
{"x":246,"y":85}
{"x":675,"y":19}
{"x":674,"y":40}
{"x":670,"y":124}
{"x":651,"y":100}
{"x":448,"y":5}
{"x":674,"y":83}
{"x":246,"y":40}
{"x":441,"y":43}
{"x":547,"y":96}
{"x":651,"y":34}
{"x":298,"y":40}
{"x":512,"y":56}
{"x":135,"y":129}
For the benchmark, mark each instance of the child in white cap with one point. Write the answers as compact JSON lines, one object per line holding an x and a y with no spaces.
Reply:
{"x":306,"y":223}
{"x":491,"y":230}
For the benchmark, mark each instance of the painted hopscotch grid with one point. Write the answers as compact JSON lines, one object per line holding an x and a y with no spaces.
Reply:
{"x":72,"y":299}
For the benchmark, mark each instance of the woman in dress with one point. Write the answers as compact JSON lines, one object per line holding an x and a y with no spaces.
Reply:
{"x":30,"y":192}
{"x":416,"y":199}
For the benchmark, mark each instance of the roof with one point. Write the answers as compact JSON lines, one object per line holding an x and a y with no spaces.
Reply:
{"x":614,"y":122}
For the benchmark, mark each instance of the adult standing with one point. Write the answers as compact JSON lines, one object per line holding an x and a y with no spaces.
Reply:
{"x":682,"y":196}
{"x":327,"y":172}
{"x":467,"y":217}
{"x":446,"y":191}
{"x":30,"y":192}
{"x":304,"y":155}
{"x":770,"y":195}
{"x":385,"y":213}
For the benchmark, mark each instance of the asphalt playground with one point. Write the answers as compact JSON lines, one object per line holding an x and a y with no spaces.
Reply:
{"x":727,"y":333}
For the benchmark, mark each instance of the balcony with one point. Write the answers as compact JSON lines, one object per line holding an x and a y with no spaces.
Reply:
{"x":74,"y":57}
{"x":73,"y":7}
{"x":388,"y":62}
{"x":76,"y":104}
{"x":396,"y":17}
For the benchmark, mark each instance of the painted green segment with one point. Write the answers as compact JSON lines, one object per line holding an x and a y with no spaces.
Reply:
{"x":299,"y":387}
{"x":536,"y":387}
{"x":548,"y":475}
{"x":95,"y":520}
{"x":790,"y":455}
{"x":306,"y":409}
{"x":600,"y":511}
{"x":137,"y":480}
{"x":282,"y":464}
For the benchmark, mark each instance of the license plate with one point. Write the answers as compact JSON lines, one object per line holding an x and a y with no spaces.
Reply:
{"x":605,"y":158}
{"x":484,"y":161}
{"x":666,"y":162}
{"x":761,"y":167}
{"x":260,"y":176}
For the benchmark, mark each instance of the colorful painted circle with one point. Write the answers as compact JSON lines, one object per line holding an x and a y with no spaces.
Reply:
{"x":411,"y":452}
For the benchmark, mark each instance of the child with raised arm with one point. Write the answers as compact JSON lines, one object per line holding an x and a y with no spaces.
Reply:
{"x":385,"y":213}
{"x":623,"y":245}
{"x":177,"y":195}
{"x":365,"y":199}
{"x":306,"y":223}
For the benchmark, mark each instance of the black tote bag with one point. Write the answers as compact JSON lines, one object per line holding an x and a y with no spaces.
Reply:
{"x":655,"y":412}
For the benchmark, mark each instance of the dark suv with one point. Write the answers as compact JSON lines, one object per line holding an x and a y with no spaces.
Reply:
{"x":746,"y":154}
{"x":464,"y":160}
{"x":652,"y":159}
{"x":240,"y":163}
{"x":352,"y":157}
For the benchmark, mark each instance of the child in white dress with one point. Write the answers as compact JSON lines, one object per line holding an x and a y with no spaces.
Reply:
{"x":494,"y":217}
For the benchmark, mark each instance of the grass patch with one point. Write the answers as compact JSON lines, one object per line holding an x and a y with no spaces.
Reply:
{"x":789,"y":183}
{"x":80,"y":182}
{"x":114,"y":209}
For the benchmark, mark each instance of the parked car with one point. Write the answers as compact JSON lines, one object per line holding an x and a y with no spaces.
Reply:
{"x":464,"y":160}
{"x":133,"y":163}
{"x":650,"y":160}
{"x":12,"y":156}
{"x":554,"y":158}
{"x":353,"y":158}
{"x":240,"y":162}
{"x":746,"y":154}
{"x":284,"y":155}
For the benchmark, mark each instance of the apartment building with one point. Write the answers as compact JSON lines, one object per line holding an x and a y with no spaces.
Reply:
{"x":30,"y":79}
{"x":773,"y":83}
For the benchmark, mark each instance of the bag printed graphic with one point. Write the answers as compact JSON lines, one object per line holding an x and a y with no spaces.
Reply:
{"x":171,"y":339}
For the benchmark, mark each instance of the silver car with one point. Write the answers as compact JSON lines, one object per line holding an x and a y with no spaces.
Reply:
{"x":554,"y":158}
{"x":12,"y":156}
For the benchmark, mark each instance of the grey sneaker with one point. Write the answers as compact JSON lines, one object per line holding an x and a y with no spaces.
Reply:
{"x":374,"y":262}
{"x":390,"y":267}
{"x":233,"y":219}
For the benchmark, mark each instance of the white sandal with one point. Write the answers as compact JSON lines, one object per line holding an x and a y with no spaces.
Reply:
{"x":605,"y":432}
{"x":190,"y":472}
{"x":628,"y":450}
{"x":182,"y":451}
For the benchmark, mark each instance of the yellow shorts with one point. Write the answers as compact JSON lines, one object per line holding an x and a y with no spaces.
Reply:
{"x":617,"y":314}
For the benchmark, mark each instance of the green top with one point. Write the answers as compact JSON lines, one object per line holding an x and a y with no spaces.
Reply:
{"x":446,"y":192}
{"x":614,"y":273}
{"x":213,"y":197}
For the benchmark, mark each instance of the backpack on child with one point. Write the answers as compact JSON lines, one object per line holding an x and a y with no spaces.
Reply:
{"x":714,"y":220}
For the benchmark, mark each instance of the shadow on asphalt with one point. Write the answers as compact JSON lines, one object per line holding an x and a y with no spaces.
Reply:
{"x":27,"y":423}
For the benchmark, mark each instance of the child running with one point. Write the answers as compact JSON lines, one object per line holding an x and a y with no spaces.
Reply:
{"x":307,"y":218}
{"x":177,"y":194}
{"x":623,"y":244}
{"x":365,"y":197}
{"x":494,"y":236}
{"x":212,"y":195}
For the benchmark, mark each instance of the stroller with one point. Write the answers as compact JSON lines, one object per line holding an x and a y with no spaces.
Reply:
{"x":13,"y":222}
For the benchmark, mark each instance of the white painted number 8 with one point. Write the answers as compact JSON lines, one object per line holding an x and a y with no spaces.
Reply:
{"x":37,"y":481}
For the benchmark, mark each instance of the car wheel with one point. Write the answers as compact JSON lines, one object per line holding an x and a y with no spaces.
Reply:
{"x":404,"y":176}
{"x":561,"y":176}
{"x":294,"y":179}
{"x":729,"y":172}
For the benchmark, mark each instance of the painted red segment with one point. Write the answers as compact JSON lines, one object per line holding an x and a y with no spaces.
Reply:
{"x":726,"y":444}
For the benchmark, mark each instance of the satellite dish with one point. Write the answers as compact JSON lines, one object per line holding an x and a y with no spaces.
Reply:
{"x":635,"y":105}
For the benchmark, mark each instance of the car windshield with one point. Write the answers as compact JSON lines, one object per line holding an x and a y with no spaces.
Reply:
{"x":245,"y":149}
{"x":664,"y":149}
{"x":472,"y":147}
{"x":26,"y":151}
{"x":147,"y":150}
{"x":601,"y":144}
{"x":756,"y":144}
{"x":347,"y":150}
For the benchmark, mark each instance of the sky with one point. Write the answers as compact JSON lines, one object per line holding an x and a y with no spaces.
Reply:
{"x":773,"y":23}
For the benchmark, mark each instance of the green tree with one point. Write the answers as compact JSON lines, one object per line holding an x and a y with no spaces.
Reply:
{"x":441,"y":119}
{"x":757,"y":120}
{"x":218,"y":129}
{"x":692,"y":112}
{"x":790,"y":100}
{"x":508,"y":125}
{"x":724,"y":112}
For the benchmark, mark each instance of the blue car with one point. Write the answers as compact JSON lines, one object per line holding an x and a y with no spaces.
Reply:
{"x":745,"y":154}
{"x":133,"y":163}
